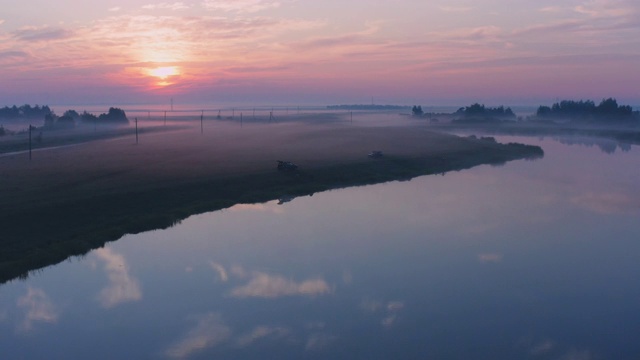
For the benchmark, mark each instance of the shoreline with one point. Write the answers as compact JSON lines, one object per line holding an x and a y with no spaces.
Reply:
{"x":627,"y":135}
{"x":77,"y":199}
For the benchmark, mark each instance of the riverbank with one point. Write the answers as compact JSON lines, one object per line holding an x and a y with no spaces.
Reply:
{"x":67,"y":201}
{"x":626,"y":135}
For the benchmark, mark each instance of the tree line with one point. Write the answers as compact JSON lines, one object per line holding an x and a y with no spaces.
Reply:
{"x":68,"y":119}
{"x":71,"y":117}
{"x":24,"y":112}
{"x":477,"y":110}
{"x":608,"y":109}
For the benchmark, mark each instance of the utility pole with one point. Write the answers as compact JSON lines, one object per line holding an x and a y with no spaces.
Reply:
{"x":30,"y":129}
{"x":202,"y":123}
{"x":136,"y":131}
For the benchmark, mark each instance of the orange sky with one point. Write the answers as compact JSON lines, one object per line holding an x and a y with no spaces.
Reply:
{"x":304,"y":52}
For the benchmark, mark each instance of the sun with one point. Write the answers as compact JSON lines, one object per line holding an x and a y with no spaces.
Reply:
{"x":164,"y":72}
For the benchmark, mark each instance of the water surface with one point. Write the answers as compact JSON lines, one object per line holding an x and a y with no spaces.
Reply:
{"x":531,"y":260}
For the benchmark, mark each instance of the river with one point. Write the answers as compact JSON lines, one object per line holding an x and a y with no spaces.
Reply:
{"x":530,"y":260}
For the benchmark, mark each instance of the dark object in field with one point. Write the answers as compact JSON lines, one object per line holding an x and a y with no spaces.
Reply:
{"x":376,"y":154}
{"x":286,"y":166}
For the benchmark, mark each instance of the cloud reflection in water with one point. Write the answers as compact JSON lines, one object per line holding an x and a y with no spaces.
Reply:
{"x":608,"y":203}
{"x":39,"y":308}
{"x":264,"y":285}
{"x":390,"y":311}
{"x":262,"y":332}
{"x":222,"y":273}
{"x":209,"y":332}
{"x":122,"y":286}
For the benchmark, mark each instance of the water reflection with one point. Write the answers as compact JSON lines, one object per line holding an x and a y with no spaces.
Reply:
{"x":608,"y":203}
{"x":38,"y":308}
{"x":608,"y":146}
{"x":122,"y":286}
{"x":264,"y":333}
{"x":222,"y":273}
{"x":208,"y":331}
{"x":264,"y":285}
{"x":387,"y":312}
{"x":531,"y":260}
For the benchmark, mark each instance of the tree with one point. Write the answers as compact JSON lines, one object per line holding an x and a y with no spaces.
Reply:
{"x":417,"y":110}
{"x":115,"y":116}
{"x":88,"y":117}
{"x":65,"y":122}
{"x":72,"y":114}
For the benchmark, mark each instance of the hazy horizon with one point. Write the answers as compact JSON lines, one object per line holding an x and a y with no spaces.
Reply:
{"x":294,"y":52}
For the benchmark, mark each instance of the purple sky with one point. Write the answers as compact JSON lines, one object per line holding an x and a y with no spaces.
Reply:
{"x":319,"y":52}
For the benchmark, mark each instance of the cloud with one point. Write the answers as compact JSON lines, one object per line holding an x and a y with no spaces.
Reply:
{"x":608,"y":8}
{"x":478,"y":33}
{"x":238,"y":6}
{"x":554,"y":28}
{"x":334,"y":41}
{"x":264,"y":285}
{"x":456,"y":8}
{"x":208,"y":332}
{"x":2,"y":21}
{"x":262,"y":332}
{"x":43,"y":33}
{"x":602,"y":16}
{"x":253,"y":70}
{"x":347,"y":41}
{"x":167,"y":6}
{"x":551,"y":9}
{"x":222,"y":273}
{"x":39,"y":308}
{"x":122,"y":286}
{"x":115,"y":9}
{"x":13,"y":55}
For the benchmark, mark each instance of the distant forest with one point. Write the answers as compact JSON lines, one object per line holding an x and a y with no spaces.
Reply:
{"x":24,"y":112}
{"x":69,"y":119}
{"x":366,"y":107}
{"x":477,"y":110}
{"x":587,"y":111}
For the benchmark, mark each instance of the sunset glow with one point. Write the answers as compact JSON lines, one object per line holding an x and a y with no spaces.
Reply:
{"x":164,"y":72}
{"x":297,"y":51}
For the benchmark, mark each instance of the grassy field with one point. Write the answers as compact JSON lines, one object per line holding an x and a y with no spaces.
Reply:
{"x":67,"y":201}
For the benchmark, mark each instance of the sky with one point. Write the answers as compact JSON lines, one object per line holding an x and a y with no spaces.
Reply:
{"x":319,"y":52}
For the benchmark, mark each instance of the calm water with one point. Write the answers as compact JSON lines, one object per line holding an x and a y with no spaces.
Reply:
{"x":531,"y":260}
